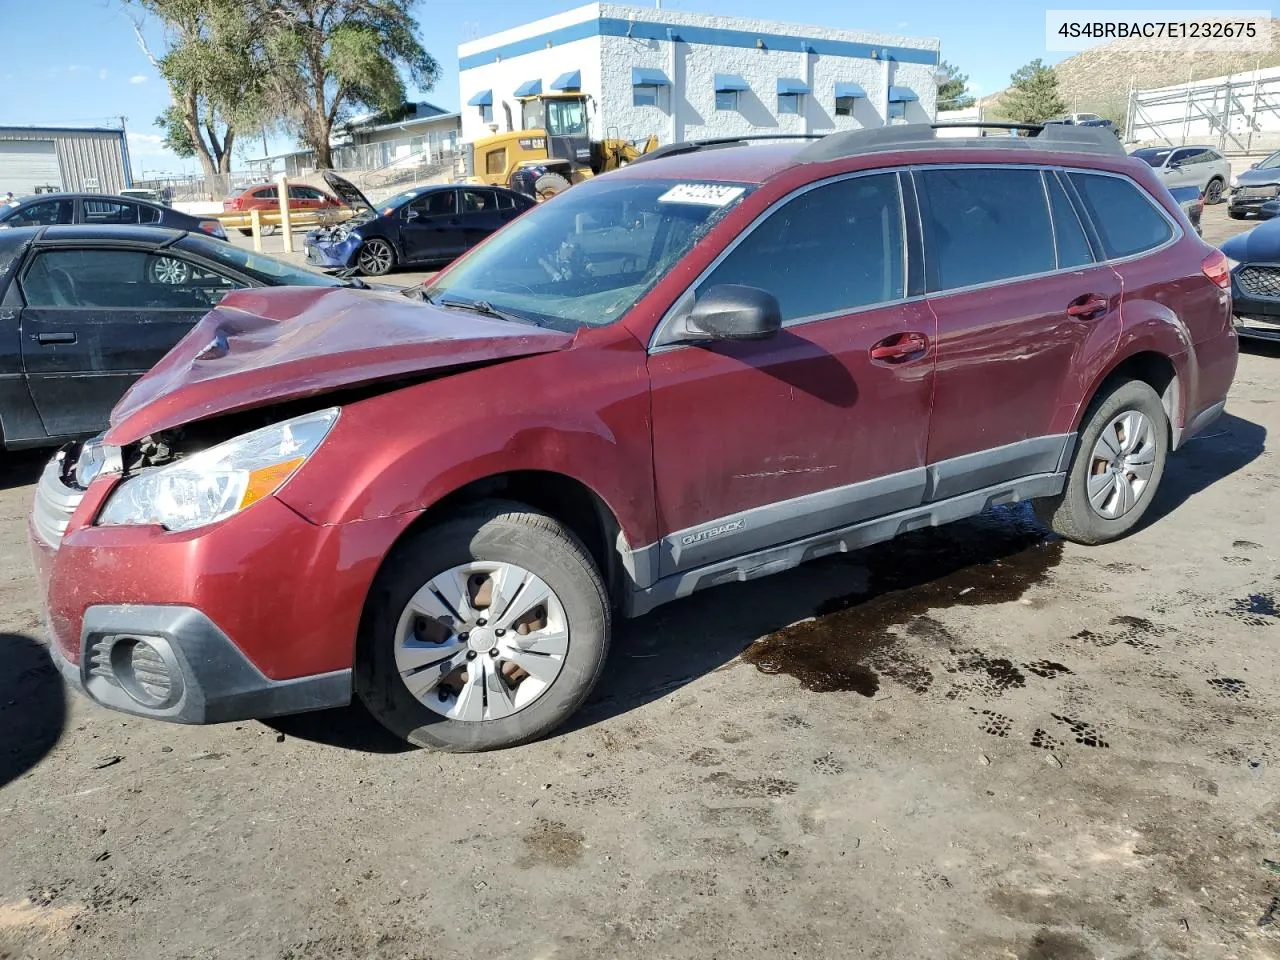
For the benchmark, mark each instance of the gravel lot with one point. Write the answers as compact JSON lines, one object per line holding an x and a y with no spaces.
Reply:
{"x":975,"y":743}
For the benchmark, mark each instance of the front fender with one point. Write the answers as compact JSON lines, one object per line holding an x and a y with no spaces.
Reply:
{"x":581,"y":412}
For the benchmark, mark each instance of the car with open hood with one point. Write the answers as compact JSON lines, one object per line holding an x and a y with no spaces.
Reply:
{"x":422,"y":225}
{"x":714,"y":364}
{"x":1252,"y":189}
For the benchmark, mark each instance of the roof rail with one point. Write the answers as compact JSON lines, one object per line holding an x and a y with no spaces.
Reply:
{"x":922,"y":136}
{"x":692,"y":146}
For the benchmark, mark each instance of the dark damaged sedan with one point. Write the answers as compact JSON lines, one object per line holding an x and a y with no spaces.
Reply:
{"x":423,"y":225}
{"x":1255,"y":280}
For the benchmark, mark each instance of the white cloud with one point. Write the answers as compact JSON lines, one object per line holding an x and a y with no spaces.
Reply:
{"x":138,"y":78}
{"x":144,"y":140}
{"x":103,"y":73}
{"x":903,"y":24}
{"x":974,"y":87}
{"x":76,"y":68}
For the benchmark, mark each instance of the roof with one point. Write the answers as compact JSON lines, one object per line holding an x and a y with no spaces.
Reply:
{"x":744,"y":161}
{"x":66,"y":195}
{"x":114,"y":131}
{"x":105,"y":231}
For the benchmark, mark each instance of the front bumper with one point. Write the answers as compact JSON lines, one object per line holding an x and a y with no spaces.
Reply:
{"x":1255,"y":300}
{"x":1249,"y":204}
{"x":329,"y":254}
{"x":187,"y":671}
{"x":254,"y":616}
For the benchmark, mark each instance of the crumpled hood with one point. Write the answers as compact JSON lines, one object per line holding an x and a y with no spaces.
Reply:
{"x":268,"y":345}
{"x":1261,"y":244}
{"x":1258,"y":178}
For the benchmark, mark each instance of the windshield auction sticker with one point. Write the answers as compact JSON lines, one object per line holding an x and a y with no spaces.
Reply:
{"x":703,"y":194}
{"x":1198,"y":30}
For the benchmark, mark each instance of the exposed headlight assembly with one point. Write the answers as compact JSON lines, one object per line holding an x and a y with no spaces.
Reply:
{"x":216,"y":483}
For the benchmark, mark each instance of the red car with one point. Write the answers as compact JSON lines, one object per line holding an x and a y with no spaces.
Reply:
{"x":709,"y":366}
{"x":266,"y":196}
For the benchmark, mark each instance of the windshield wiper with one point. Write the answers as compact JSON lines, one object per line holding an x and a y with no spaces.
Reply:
{"x":486,"y":309}
{"x":349,"y":279}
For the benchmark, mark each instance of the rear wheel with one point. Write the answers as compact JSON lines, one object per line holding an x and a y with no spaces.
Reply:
{"x":1213,"y":192}
{"x":1119,"y":460}
{"x":376,"y":257}
{"x":485,"y":631}
{"x":1236,"y":214}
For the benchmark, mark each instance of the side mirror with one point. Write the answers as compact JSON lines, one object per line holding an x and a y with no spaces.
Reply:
{"x":731,"y":311}
{"x":412,"y":215}
{"x":1254,"y":166}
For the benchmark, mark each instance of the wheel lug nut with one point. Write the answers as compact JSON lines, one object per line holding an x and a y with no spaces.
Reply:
{"x":481,"y":622}
{"x":493,"y":652}
{"x":471,"y":654}
{"x":499,"y":632}
{"x":462,"y":637}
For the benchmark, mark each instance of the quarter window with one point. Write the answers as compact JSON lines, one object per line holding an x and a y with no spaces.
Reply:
{"x":109,"y":211}
{"x":1126,"y":218}
{"x":830,"y":250}
{"x":984,"y":224}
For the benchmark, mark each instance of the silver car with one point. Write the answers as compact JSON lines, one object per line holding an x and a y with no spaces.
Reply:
{"x":1201,"y":167}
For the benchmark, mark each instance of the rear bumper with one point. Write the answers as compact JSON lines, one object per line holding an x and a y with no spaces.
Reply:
{"x":191,"y":671}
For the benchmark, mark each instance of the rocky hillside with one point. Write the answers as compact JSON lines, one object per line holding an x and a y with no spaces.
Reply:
{"x":1098,"y":80}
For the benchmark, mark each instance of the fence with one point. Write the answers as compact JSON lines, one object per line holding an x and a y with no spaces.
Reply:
{"x":1238,"y":113}
{"x":196,"y":189}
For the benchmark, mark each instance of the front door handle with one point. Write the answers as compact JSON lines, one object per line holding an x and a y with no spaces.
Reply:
{"x":1088,"y":306}
{"x":900,"y":347}
{"x":54,"y":337}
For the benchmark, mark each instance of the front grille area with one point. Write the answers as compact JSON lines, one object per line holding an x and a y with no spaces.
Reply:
{"x":1255,"y":193}
{"x":1259,"y":281}
{"x":56,"y":501}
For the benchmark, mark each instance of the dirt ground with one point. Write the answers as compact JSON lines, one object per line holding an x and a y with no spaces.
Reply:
{"x":975,"y":743}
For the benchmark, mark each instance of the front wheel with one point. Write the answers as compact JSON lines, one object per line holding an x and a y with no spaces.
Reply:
{"x":1213,"y":192}
{"x":1117,"y":466}
{"x":485,"y":631}
{"x":1236,"y":214}
{"x":376,"y":258}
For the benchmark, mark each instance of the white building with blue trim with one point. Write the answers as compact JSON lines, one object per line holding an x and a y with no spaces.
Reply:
{"x":686,"y":76}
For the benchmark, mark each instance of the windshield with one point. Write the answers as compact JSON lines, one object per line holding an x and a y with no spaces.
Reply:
{"x":267,"y":268}
{"x":1155,"y":158}
{"x":403,"y":197}
{"x":1271,"y":162}
{"x":586,"y":257}
{"x":566,"y":118}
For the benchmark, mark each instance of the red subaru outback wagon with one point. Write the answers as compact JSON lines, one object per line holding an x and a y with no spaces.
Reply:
{"x":714,"y":364}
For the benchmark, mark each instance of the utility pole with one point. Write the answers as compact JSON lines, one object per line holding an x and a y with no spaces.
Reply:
{"x":124,"y":146}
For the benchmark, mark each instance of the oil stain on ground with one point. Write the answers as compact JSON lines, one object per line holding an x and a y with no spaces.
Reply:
{"x":993,"y":558}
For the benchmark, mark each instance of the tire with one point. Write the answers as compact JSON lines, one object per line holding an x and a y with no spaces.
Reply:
{"x":549,"y":184}
{"x":168,"y":271}
{"x":498,"y":534}
{"x":244,"y":232}
{"x":376,"y":257}
{"x":1236,"y":214}
{"x":1214,"y":190}
{"x":1070,"y":514}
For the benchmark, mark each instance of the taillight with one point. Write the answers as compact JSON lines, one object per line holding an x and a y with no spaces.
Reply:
{"x":1217,"y":269}
{"x":213,"y":228}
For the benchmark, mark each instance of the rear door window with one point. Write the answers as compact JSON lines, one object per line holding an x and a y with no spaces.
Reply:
{"x":109,"y":211}
{"x":831,"y":250}
{"x":122,"y":279}
{"x":1125,"y":217}
{"x":983,"y":225}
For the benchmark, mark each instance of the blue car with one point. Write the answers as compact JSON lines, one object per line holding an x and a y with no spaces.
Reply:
{"x":423,"y":225}
{"x":1255,"y":280}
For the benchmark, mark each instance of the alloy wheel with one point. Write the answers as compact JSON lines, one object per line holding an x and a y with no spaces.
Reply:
{"x":170,"y":271}
{"x":1213,"y":193}
{"x":1123,"y":460}
{"x":375,"y":257}
{"x":481,"y":641}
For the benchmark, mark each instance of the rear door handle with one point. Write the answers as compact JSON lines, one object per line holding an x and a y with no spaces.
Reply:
{"x":900,"y":347}
{"x":54,"y":337}
{"x":1088,"y":307}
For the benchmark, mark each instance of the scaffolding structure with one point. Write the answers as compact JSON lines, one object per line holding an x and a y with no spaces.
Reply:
{"x":1237,"y":114}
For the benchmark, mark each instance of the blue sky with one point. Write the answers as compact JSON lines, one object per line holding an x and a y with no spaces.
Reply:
{"x":77,"y":61}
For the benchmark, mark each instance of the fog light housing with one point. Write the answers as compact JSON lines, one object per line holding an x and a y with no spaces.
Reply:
{"x":146,"y":670}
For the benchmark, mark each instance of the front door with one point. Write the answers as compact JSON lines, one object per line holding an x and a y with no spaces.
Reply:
{"x":1022,"y":321}
{"x":1182,"y":170}
{"x":432,"y":228}
{"x":96,"y":319}
{"x":825,"y":425}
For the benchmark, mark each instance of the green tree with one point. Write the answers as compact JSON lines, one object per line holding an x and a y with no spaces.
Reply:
{"x":953,"y":93}
{"x":213,"y":67}
{"x":1033,"y":95}
{"x":327,"y":57}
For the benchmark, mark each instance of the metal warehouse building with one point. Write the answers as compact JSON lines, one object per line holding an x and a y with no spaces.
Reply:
{"x":94,"y":159}
{"x":686,"y":76}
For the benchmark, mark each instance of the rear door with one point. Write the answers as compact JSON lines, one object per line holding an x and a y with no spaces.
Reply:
{"x":757,"y":443}
{"x":96,"y":318}
{"x":114,"y":212}
{"x":1025,"y":314}
{"x":480,"y":214}
{"x":431,"y":227}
